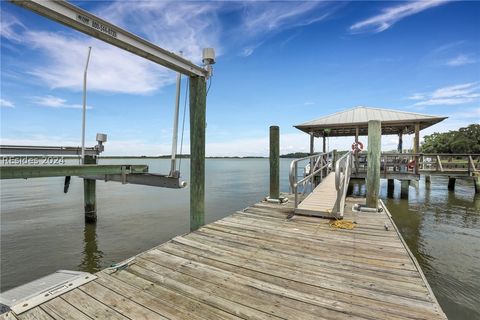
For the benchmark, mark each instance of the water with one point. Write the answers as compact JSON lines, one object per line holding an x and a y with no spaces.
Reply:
{"x":42,"y":228}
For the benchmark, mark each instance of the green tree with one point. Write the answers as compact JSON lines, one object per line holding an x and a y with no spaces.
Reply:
{"x":463,"y":140}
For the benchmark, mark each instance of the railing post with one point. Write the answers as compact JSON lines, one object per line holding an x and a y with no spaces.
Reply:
{"x":373,"y":162}
{"x":295,"y":188}
{"x":274,"y":162}
{"x":197,"y":151}
{"x":89,"y":194}
{"x":416,"y":146}
{"x":476,"y":182}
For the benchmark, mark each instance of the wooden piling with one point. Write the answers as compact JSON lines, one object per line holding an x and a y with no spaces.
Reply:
{"x":274,"y":162}
{"x":428,"y":179}
{"x":89,"y":194}
{"x":451,"y":183}
{"x":390,"y":184}
{"x":404,"y":186}
{"x":400,"y":142}
{"x":312,"y":143}
{"x":198,"y":104}
{"x":416,"y":147}
{"x":390,"y":188}
{"x":356,"y":151}
{"x":373,"y":160}
{"x":334,"y":159}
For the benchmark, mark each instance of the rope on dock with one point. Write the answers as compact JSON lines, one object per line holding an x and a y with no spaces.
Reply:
{"x":343,"y":224}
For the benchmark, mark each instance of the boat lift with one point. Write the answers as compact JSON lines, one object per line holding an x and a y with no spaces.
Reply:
{"x":81,"y":20}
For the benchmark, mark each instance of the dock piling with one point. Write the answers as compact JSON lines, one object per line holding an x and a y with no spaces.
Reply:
{"x":390,"y":187}
{"x":405,"y":184}
{"x":390,"y":184}
{"x":89,"y":194}
{"x":373,"y":162}
{"x":334,"y":159}
{"x":451,"y":183}
{"x":198,"y":101}
{"x":274,"y":162}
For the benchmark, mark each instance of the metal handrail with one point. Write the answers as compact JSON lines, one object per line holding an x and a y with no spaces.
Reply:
{"x":343,"y":171}
{"x":318,"y":163}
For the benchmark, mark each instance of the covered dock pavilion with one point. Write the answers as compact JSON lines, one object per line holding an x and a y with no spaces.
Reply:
{"x":354,"y":122}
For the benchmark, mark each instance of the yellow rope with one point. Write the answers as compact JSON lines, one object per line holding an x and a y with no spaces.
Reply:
{"x":342,"y":224}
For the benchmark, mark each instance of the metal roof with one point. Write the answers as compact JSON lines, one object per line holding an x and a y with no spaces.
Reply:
{"x":344,"y":123}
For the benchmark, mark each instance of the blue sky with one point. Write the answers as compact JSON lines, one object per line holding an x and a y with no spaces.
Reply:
{"x":279,"y":63}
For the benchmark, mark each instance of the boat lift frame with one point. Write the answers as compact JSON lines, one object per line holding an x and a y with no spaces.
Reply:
{"x":81,"y":20}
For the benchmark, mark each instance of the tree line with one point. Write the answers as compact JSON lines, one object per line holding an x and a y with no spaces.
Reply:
{"x":463,"y":140}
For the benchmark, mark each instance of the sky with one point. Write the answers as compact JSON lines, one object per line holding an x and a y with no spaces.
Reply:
{"x":278,"y":63}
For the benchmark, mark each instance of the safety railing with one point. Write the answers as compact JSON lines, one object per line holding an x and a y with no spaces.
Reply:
{"x":450,"y":163}
{"x":416,"y":163}
{"x":343,"y":172}
{"x":320,"y":166}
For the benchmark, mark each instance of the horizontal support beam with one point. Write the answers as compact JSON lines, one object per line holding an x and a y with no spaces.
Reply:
{"x":146,"y":179}
{"x":25,"y":172}
{"x":46,"y":150}
{"x":83,"y":21}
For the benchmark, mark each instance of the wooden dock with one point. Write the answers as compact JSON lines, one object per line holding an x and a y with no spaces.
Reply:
{"x":257,"y":264}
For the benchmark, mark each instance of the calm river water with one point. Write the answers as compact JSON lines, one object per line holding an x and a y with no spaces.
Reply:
{"x":42,"y":229}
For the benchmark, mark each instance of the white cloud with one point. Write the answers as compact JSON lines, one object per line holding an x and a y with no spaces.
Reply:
{"x":417,"y":96}
{"x":460,"y":60}
{"x":262,"y":15}
{"x":248,"y":50}
{"x":10,"y":27}
{"x":261,"y":19}
{"x":173,"y":25}
{"x":308,"y":103}
{"x":450,"y":95}
{"x":391,"y":15}
{"x":4,"y":103}
{"x":110,"y":69}
{"x":55,"y":102}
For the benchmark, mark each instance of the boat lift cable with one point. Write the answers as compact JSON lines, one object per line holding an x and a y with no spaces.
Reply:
{"x":183,"y":124}
{"x":209,"y":84}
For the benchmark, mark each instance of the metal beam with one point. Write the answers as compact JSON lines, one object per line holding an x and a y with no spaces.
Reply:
{"x":83,"y":21}
{"x":25,"y":172}
{"x":146,"y":179}
{"x":46,"y":150}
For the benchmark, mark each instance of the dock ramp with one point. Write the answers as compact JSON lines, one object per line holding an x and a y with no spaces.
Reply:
{"x":327,"y":199}
{"x":321,"y":201}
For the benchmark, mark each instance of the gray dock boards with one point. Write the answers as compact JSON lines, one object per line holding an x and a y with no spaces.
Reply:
{"x":256,"y":264}
{"x":321,"y":201}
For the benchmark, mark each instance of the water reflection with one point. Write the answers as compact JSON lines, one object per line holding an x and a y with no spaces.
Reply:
{"x":92,"y":256}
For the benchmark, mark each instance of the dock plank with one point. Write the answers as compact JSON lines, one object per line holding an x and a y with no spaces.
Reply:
{"x":259,"y":264}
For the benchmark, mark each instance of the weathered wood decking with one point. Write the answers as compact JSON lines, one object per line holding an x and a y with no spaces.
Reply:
{"x":256,"y":264}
